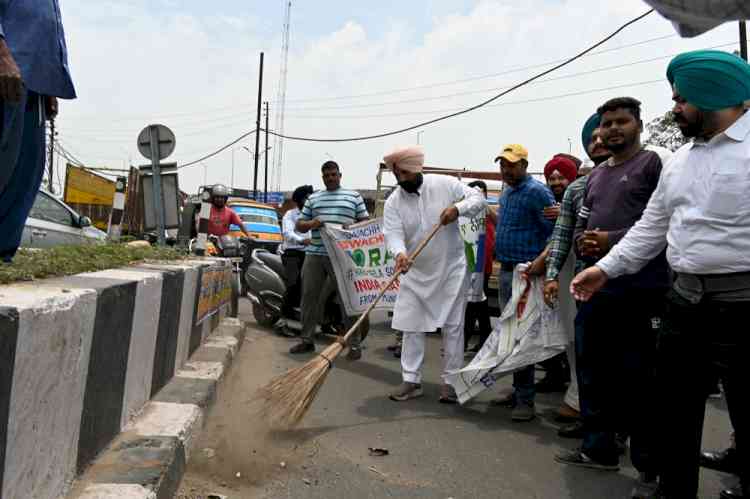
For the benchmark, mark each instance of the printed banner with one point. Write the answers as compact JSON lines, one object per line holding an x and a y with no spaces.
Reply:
{"x":215,"y":291}
{"x":473,"y":232}
{"x":362,"y":264}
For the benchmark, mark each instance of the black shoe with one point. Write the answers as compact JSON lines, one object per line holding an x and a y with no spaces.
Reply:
{"x":574,"y":430}
{"x":725,"y":460}
{"x":302,"y":348}
{"x":733,"y":493}
{"x":621,"y":441}
{"x":354,"y":354}
{"x":550,"y":385}
{"x":578,"y":458}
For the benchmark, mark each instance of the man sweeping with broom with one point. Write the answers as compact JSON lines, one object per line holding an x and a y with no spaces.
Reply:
{"x":432,"y":294}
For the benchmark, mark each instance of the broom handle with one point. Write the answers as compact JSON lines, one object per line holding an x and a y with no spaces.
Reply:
{"x":385,"y":288}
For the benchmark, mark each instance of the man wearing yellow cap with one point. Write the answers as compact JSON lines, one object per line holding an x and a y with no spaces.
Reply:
{"x":700,"y":211}
{"x":522,"y":234}
{"x":432,"y":294}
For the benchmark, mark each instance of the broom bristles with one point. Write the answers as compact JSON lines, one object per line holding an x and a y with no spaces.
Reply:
{"x":286,"y":399}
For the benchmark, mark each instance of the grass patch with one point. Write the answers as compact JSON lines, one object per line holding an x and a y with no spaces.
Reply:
{"x":30,"y":264}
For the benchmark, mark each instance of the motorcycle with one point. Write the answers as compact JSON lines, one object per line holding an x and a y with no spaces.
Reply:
{"x":266,"y":287}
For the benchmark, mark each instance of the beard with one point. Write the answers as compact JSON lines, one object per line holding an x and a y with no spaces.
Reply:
{"x":412,"y":186}
{"x":615,"y":148}
{"x":690,"y":130}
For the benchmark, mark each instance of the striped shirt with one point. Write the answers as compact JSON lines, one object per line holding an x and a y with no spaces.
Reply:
{"x":342,"y":206}
{"x":562,"y":236}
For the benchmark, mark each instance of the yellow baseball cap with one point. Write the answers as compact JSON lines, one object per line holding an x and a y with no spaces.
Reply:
{"x":513,"y":153}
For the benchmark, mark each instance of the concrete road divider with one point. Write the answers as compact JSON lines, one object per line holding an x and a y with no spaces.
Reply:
{"x":80,"y":358}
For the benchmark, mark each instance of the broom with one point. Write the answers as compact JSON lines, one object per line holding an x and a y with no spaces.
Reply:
{"x":286,"y":398}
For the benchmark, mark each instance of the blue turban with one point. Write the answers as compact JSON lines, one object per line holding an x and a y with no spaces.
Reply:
{"x":710,"y":79}
{"x":588,"y":130}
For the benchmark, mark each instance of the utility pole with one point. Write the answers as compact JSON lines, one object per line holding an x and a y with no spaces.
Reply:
{"x":743,"y":39}
{"x":265,"y":158}
{"x":257,"y":130}
{"x":51,"y":163}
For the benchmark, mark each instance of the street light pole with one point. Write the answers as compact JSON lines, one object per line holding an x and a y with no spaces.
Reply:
{"x":418,"y":134}
{"x":233,"y":168}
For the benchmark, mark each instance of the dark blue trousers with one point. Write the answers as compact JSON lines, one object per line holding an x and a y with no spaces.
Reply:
{"x":21,"y":167}
{"x":616,"y":338}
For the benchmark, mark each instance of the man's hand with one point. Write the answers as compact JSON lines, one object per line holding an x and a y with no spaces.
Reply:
{"x":449,"y":215}
{"x":551,"y":212}
{"x":307,"y":242}
{"x":11,"y":84}
{"x":51,"y":107}
{"x":551,"y":289}
{"x":594,"y":243}
{"x":537,"y":267}
{"x":403,"y":264}
{"x":316,"y":223}
{"x":587,"y":283}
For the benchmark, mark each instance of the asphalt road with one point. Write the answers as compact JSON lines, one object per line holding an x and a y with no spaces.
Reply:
{"x":435,"y":451}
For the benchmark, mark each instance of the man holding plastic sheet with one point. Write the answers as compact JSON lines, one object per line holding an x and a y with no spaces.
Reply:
{"x":701,"y":213}
{"x":521,"y":237}
{"x":33,"y":74}
{"x":432,"y":292}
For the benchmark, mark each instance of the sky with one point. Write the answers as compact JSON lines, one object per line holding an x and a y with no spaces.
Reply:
{"x":355,"y":69}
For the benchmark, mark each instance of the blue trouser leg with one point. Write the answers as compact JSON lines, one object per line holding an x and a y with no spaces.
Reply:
{"x":523,"y":379}
{"x":22,"y":163}
{"x":617,"y":367}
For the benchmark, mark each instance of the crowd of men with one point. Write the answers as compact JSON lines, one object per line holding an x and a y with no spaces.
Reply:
{"x":659,"y":242}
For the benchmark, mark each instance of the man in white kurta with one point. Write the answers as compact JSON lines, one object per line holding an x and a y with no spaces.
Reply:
{"x":432,"y":293}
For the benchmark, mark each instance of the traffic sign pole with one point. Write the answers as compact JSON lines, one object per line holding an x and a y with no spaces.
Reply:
{"x":157,"y":187}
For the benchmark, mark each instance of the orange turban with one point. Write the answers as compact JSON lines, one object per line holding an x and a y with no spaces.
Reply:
{"x":410,"y":159}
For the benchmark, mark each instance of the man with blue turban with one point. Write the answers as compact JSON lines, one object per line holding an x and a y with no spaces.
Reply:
{"x":700,"y":212}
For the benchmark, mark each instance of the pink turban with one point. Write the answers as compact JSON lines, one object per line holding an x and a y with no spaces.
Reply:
{"x":563,"y":165}
{"x":410,"y":159}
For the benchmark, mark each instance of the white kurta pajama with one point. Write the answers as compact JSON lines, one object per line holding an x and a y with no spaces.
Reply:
{"x":432,"y":294}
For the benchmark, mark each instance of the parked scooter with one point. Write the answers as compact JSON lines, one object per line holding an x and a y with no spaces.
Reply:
{"x":266,"y":287}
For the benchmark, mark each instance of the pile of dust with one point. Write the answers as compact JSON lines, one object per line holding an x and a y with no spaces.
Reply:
{"x":236,"y":439}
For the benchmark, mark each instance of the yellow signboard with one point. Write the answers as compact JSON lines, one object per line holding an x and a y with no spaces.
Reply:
{"x":215,"y":291}
{"x":85,"y":187}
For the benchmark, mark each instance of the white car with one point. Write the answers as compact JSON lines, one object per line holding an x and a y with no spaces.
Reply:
{"x":53,"y":223}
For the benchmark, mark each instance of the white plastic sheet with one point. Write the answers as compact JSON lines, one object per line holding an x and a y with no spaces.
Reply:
{"x":528,"y":332}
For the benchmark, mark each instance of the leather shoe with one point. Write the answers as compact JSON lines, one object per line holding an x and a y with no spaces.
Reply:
{"x":733,"y":493}
{"x":572,"y":431}
{"x":725,"y":460}
{"x":303,"y":347}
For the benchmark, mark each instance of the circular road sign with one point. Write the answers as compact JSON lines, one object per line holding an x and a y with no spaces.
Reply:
{"x":163,"y":135}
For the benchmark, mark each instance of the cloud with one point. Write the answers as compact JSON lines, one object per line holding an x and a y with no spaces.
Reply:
{"x":197,"y":72}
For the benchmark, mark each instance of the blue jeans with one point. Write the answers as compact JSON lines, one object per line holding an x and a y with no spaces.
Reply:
{"x":523,"y":379}
{"x":21,"y":167}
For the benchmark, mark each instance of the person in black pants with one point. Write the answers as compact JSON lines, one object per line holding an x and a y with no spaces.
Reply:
{"x":620,"y":324}
{"x":293,"y":251}
{"x":701,"y":213}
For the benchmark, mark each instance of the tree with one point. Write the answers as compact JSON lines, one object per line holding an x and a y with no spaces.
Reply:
{"x":663,"y":131}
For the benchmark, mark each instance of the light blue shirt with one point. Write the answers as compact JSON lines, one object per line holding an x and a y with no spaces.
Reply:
{"x":33,"y":31}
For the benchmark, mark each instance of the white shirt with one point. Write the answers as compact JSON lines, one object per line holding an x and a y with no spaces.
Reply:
{"x":700,"y":210}
{"x":435,"y":281}
{"x":292,"y":238}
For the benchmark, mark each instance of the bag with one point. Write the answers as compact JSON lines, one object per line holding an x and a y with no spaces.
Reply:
{"x":527,"y":333}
